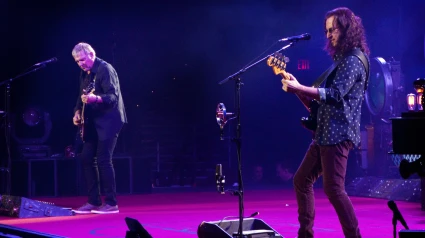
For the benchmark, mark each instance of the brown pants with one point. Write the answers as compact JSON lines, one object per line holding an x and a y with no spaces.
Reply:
{"x":331,"y":162}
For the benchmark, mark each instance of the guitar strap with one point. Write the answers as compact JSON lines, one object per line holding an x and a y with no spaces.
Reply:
{"x":356,"y":52}
{"x":366,"y":65}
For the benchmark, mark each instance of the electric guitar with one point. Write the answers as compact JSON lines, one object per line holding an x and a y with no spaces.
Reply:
{"x":278,"y":64}
{"x":87,"y":90}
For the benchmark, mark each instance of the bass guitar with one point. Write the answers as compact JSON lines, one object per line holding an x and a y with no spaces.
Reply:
{"x":278,"y":63}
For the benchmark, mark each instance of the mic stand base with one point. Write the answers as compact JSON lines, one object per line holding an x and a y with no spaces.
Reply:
{"x":255,"y":233}
{"x":394,"y":227}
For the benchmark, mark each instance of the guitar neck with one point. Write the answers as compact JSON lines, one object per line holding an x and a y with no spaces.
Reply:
{"x":82,"y":111}
{"x":305,"y":101}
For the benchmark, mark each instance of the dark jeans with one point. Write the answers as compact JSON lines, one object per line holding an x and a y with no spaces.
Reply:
{"x":331,"y":162}
{"x":98,"y":169}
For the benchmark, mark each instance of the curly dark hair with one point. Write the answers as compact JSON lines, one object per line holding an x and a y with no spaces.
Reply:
{"x":352,"y":32}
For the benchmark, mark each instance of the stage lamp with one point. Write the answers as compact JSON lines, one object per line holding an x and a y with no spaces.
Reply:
{"x":419,"y":101}
{"x":411,"y":102}
{"x":33,"y":127}
{"x":419,"y":85}
{"x":32,"y":117}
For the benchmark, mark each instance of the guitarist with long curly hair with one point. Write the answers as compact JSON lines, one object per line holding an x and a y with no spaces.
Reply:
{"x":334,"y":119}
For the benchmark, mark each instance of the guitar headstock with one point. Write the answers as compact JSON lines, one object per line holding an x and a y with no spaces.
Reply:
{"x":278,"y":63}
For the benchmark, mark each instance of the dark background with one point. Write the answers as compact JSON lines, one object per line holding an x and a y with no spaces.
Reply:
{"x":170,"y":56}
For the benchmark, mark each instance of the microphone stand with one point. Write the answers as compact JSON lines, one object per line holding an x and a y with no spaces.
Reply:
{"x":237,"y":78}
{"x":394,"y":226}
{"x":7,"y":124}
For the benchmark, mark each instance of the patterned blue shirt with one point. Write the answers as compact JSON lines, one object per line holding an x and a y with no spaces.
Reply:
{"x":339,"y":113}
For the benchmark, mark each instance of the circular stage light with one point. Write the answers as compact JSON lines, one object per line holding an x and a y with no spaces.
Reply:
{"x":380,"y":89}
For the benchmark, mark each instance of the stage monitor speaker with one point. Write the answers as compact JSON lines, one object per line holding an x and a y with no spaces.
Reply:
{"x":251,"y":228}
{"x":411,"y":233}
{"x":136,"y":229}
{"x":21,"y":207}
{"x":15,"y":232}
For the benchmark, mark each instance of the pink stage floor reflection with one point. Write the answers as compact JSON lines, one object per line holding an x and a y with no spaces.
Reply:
{"x":179,"y":214}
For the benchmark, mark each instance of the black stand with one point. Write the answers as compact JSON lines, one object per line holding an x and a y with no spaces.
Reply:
{"x":7,"y":123}
{"x":136,"y":229}
{"x":394,"y":227}
{"x":396,"y":217}
{"x":237,"y":78}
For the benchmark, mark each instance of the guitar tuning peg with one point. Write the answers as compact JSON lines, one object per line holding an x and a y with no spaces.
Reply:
{"x":286,"y":59}
{"x":274,"y":60}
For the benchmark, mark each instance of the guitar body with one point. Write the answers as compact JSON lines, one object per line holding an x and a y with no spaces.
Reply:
{"x":310,"y":122}
{"x":81,"y":131}
{"x":81,"y":127}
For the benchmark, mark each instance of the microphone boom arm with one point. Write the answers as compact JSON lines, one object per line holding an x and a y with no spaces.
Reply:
{"x":236,"y":75}
{"x":22,"y":74}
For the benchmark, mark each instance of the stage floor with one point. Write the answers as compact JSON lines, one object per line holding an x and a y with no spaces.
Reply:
{"x":178,"y":214}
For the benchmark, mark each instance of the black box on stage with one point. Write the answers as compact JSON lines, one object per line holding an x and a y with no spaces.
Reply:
{"x":411,"y":233}
{"x":64,"y":176}
{"x":251,"y":228}
{"x":22,"y":207}
{"x":45,"y":177}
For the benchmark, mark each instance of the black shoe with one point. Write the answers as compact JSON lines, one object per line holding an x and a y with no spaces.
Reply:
{"x":106,"y":209}
{"x":85,"y":209}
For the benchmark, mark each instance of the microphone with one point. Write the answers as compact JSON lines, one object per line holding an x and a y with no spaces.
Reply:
{"x":254,"y":214}
{"x":305,"y":36}
{"x":397,"y":214}
{"x":219,"y":178}
{"x":52,"y":60}
{"x":218,"y":171}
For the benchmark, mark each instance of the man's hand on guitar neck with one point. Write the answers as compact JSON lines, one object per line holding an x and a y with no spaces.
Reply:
{"x":290,"y":84}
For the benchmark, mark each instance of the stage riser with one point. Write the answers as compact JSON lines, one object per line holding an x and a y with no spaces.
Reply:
{"x":411,"y":233}
{"x":391,"y":189}
{"x":63,"y":177}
